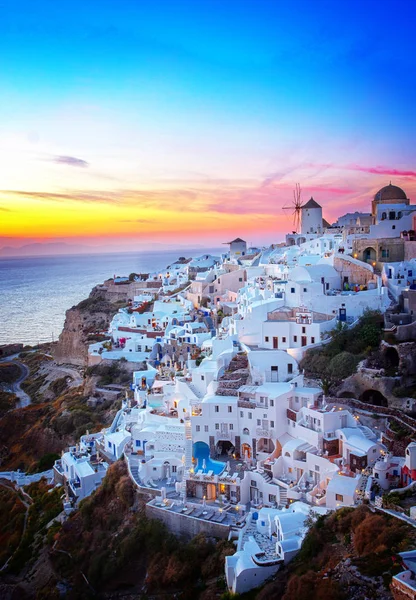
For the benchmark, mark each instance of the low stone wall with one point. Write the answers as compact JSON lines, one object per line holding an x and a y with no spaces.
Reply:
{"x":401,"y":591}
{"x":187,"y":526}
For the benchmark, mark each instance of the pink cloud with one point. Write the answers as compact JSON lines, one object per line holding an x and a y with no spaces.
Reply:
{"x":381,"y":171}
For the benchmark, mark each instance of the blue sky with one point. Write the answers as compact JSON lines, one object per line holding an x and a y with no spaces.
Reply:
{"x":220,"y":98}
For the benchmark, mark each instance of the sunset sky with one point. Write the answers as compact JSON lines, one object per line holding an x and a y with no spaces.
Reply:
{"x":189,"y":122}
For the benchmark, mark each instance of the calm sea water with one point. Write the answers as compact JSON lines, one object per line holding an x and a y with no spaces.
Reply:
{"x":36,"y":292}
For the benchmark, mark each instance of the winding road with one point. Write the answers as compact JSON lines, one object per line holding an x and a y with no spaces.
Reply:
{"x":14,"y":388}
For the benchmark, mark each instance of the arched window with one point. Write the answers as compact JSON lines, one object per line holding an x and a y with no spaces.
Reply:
{"x":287,"y":454}
{"x":383,"y":216}
{"x":246,"y":431}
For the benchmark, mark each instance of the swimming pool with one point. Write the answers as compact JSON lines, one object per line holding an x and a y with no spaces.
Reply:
{"x":200,"y":452}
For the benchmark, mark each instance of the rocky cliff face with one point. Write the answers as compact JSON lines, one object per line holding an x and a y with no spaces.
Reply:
{"x":89,"y":317}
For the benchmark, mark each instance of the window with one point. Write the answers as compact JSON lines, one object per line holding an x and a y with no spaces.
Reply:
{"x":292,"y":290}
{"x":206,"y":428}
{"x":305,"y":289}
{"x":137,"y":443}
{"x":241,"y":414}
{"x":290,"y":368}
{"x":339,"y":497}
{"x":284,"y":340}
{"x":295,"y":338}
{"x":312,"y":340}
{"x":317,"y":468}
{"x":198,"y":428}
{"x":250,"y":415}
{"x":230,"y":409}
{"x":275,"y":369}
{"x":303,"y":329}
{"x":202,"y":377}
{"x":246,"y":431}
{"x":240,"y":279}
{"x":272,"y":498}
{"x":272,"y":424}
{"x":217,"y":409}
{"x":253,"y":483}
{"x":374,"y":450}
{"x":217,"y":425}
{"x":219,"y":281}
{"x":174,"y":468}
{"x":376,"y":475}
{"x":258,"y":422}
{"x":272,"y":403}
{"x":266,"y":339}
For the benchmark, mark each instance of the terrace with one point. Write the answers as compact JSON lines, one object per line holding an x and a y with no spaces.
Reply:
{"x":228,"y":516}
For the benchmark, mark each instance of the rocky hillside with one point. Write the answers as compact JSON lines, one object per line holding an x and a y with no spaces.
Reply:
{"x":85,"y":322}
{"x":110,"y":549}
{"x":349,"y":555}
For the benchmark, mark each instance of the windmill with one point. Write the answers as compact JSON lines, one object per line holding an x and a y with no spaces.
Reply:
{"x":296,"y":207}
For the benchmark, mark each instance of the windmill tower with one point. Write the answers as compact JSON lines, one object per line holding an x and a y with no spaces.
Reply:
{"x":296,"y":208}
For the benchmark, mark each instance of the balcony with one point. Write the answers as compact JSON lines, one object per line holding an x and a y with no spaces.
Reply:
{"x":291,"y":414}
{"x":264,"y":433}
{"x":246,"y":404}
{"x":223,"y":435}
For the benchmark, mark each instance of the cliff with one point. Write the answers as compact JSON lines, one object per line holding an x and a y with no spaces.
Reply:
{"x":87,"y":320}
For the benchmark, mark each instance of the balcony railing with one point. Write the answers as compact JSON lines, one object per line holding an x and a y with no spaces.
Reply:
{"x":223,"y":435}
{"x":265,"y":433}
{"x":247,"y":404}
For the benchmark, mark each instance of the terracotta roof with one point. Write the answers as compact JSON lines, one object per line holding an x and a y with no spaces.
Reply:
{"x":390,"y":192}
{"x":237,"y":240}
{"x":311,"y":204}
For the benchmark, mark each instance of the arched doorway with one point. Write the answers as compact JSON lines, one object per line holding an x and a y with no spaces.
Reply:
{"x":391,"y":358}
{"x":370,"y":255}
{"x":374,"y":397}
{"x":211,"y":491}
{"x":166,"y":470}
{"x":224,"y":448}
{"x":265,"y":445}
{"x":246,"y":450}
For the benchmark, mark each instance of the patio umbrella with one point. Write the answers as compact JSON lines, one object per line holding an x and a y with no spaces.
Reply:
{"x":228,"y":466}
{"x":204,"y":465}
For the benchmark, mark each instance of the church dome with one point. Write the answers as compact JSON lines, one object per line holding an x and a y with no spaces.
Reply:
{"x":390,"y":192}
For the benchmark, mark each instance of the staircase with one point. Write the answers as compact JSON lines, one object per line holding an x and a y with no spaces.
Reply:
{"x":135,"y":473}
{"x":194,"y":390}
{"x":367,"y":432}
{"x":282,"y":496}
{"x":188,"y":458}
{"x":267,"y":477}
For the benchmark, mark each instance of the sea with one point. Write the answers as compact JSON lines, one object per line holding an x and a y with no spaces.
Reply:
{"x":36,"y":292}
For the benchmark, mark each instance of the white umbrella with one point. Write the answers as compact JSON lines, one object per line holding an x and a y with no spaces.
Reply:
{"x":204,"y":465}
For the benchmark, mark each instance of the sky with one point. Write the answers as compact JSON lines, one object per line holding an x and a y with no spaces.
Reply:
{"x":131,"y":123}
